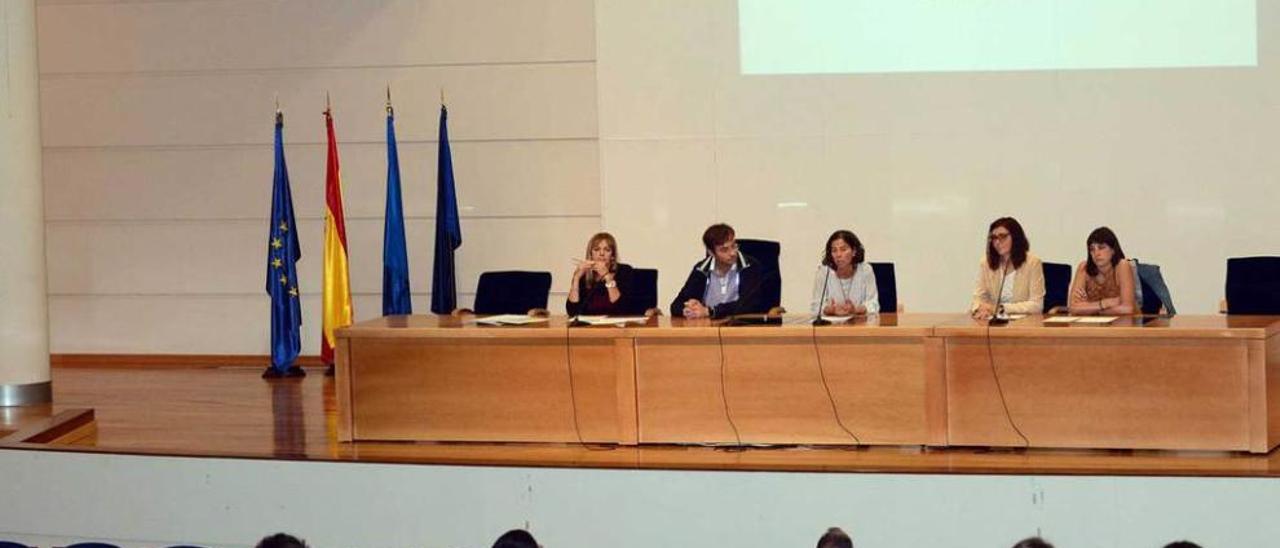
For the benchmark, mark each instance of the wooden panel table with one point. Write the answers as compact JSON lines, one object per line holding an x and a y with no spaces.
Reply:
{"x":1187,"y":382}
{"x":428,"y":378}
{"x":697,"y":382}
{"x":444,"y":379}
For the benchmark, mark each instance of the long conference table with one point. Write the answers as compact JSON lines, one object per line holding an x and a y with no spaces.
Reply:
{"x":1181,"y":383}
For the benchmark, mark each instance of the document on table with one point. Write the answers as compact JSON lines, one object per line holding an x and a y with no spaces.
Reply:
{"x":836,"y":319}
{"x":611,"y":320}
{"x":510,"y":319}
{"x":1080,"y":319}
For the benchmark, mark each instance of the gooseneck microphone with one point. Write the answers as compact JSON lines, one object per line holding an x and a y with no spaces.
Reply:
{"x":822,"y":300}
{"x":995,"y":313}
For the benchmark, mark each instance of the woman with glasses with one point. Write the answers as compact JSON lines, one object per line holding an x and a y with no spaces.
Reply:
{"x":1010,"y":278}
{"x":845,"y":285}
{"x":1104,"y":281}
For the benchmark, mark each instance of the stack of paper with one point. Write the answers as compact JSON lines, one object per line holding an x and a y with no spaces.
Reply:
{"x":611,"y":320}
{"x":1081,"y":319}
{"x":510,"y":319}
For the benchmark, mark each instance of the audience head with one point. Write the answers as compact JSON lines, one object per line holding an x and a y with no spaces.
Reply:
{"x":1182,"y":544}
{"x":602,"y":247}
{"x":516,"y":538}
{"x":1033,"y":542}
{"x":835,"y":538}
{"x":847,"y":242}
{"x":721,"y":242}
{"x":1101,"y":246}
{"x":1006,"y":238}
{"x":281,"y":540}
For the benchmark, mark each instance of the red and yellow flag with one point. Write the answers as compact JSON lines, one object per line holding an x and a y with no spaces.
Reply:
{"x":336,"y":297}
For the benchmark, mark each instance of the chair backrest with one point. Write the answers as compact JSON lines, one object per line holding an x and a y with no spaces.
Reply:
{"x":91,"y":545}
{"x":644,"y":288}
{"x":767,"y":252}
{"x":1149,"y":301}
{"x":12,"y":544}
{"x":886,"y":286}
{"x":512,"y":292}
{"x":1057,"y":282}
{"x":1253,"y":285}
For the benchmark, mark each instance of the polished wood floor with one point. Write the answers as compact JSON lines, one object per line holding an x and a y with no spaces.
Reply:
{"x":230,"y":412}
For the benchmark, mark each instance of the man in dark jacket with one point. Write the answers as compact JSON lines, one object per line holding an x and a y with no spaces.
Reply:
{"x":726,"y":282}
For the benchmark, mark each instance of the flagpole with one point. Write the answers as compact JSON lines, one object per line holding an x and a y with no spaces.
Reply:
{"x":390,"y":111}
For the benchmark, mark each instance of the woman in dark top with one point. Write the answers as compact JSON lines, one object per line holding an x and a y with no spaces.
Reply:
{"x":600,"y":283}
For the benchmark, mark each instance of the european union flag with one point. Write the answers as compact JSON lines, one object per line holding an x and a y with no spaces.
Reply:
{"x":283,"y":253}
{"x":444,"y":294}
{"x":395,"y":258}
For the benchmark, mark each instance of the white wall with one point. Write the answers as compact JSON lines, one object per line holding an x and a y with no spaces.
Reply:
{"x":150,"y":501}
{"x":1180,"y":163}
{"x":572,"y":115}
{"x":157,"y":124}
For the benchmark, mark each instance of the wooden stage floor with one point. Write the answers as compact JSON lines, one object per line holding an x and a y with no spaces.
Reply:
{"x":230,"y":412}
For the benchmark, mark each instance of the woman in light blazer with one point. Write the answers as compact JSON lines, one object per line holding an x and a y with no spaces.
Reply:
{"x":1010,"y":278}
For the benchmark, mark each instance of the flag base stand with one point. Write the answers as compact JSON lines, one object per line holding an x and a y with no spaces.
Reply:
{"x":293,"y":372}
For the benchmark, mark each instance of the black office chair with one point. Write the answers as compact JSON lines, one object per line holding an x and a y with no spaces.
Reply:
{"x":11,"y":544}
{"x":512,"y":292}
{"x":644,"y":286}
{"x":1253,"y":285}
{"x":886,"y":286}
{"x":91,"y":545}
{"x":1057,"y":282}
{"x":767,"y":252}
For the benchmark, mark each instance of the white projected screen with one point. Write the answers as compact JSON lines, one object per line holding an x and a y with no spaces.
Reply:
{"x":882,"y":36}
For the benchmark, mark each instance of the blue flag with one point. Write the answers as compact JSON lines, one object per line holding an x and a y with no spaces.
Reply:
{"x":395,"y":258}
{"x":283,"y":253}
{"x":444,"y":292}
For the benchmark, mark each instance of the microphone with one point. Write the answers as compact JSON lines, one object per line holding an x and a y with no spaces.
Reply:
{"x":822,"y":300}
{"x":995,"y":315}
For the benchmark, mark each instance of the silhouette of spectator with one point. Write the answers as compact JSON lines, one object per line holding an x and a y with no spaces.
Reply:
{"x":282,"y":540}
{"x":835,"y":537}
{"x":516,"y":538}
{"x":1033,"y":542}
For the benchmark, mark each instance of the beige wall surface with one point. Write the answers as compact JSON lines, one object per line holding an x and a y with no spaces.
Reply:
{"x":1180,"y":163}
{"x":568,"y":116}
{"x":157,"y":153}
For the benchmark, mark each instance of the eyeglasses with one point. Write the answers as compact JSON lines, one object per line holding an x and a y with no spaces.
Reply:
{"x":731,"y":246}
{"x":999,"y":237}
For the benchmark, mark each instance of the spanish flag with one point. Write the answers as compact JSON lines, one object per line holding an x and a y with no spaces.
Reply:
{"x":336,"y":296}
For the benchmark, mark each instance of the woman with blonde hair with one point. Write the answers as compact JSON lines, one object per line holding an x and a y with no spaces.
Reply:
{"x":600,"y":285}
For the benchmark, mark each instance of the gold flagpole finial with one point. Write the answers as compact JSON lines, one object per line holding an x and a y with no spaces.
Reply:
{"x":389,"y":109}
{"x":327,"y":106}
{"x":279,"y":113}
{"x":441,"y":96}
